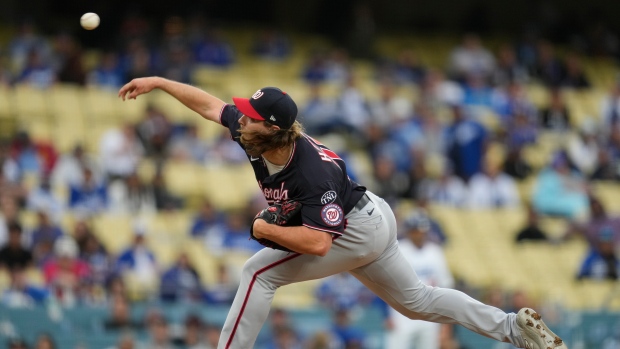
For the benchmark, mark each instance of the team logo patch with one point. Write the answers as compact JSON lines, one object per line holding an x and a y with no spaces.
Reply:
{"x":328,"y":197}
{"x":332,"y":214}
{"x":258,"y":94}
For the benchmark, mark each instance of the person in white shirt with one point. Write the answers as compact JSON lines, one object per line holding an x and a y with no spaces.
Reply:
{"x":583,"y":148}
{"x":390,"y":109}
{"x":492,"y":189}
{"x":471,"y":58}
{"x":429,"y":262}
{"x":120,"y":152}
{"x":445,"y":188}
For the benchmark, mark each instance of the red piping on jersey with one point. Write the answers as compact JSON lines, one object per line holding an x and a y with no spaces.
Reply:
{"x":321,"y":229}
{"x":247,"y":295}
{"x":221,"y":110}
{"x":292,"y":154}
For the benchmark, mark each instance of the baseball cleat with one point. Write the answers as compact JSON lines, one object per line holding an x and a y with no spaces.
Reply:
{"x":535,"y":333}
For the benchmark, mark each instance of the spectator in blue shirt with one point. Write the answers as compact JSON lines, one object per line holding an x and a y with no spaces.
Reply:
{"x":181,"y":283}
{"x":352,"y":337}
{"x":466,"y":144}
{"x":206,"y":218}
{"x":43,"y":237}
{"x":601,"y":263}
{"x":138,"y":262}
{"x":20,"y":293}
{"x":91,"y":196}
{"x":108,"y":74}
{"x":236,"y":234}
{"x":214,"y":50}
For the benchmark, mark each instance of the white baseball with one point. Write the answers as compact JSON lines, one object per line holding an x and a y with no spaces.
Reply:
{"x":90,"y":21}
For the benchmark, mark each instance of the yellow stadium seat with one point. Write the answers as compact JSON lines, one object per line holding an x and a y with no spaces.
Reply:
{"x":174,"y":110}
{"x":35,"y":277}
{"x":6,"y":103}
{"x":298,"y":295}
{"x":174,"y":224}
{"x":104,"y":106}
{"x":165,"y":248}
{"x":30,"y":103}
{"x":5,"y":279}
{"x":114,"y":231}
{"x":65,"y":103}
{"x":230,"y":187}
{"x":205,"y":263}
{"x":183,"y":178}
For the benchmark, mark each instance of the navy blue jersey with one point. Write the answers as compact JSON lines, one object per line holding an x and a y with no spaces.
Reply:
{"x":314,"y":176}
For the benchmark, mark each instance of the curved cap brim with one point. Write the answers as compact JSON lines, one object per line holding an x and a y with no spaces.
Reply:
{"x":244,"y":106}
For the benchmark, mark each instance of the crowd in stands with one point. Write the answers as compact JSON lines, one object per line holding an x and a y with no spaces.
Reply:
{"x":434,"y":146}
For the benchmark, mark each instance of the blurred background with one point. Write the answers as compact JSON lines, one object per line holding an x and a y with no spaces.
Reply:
{"x":493,"y":129}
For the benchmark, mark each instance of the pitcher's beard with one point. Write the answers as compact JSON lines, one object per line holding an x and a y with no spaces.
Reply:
{"x":254,"y":147}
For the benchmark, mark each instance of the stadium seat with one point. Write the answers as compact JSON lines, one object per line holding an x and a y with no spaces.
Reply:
{"x":6,"y":105}
{"x":206,"y":264}
{"x":230,"y":187}
{"x":114,"y":231}
{"x":31,"y":104}
{"x":183,"y":178}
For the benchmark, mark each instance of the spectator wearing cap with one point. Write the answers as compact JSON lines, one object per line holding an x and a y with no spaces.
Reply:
{"x":13,"y":255}
{"x":429,"y":263}
{"x":601,"y":263}
{"x":64,"y":273}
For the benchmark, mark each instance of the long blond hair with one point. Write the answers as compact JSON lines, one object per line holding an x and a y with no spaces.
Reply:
{"x":258,"y":142}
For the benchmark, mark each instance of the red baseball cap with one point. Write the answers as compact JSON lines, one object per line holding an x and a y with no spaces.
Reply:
{"x":269,"y":104}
